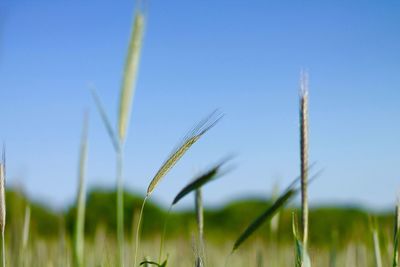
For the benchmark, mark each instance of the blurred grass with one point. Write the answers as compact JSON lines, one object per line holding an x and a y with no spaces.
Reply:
{"x":343,"y":229}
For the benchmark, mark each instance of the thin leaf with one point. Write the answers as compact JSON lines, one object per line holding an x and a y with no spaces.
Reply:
{"x":285,"y":197}
{"x":201,"y":128}
{"x":268,"y":214}
{"x":106,"y":121}
{"x":199,"y":181}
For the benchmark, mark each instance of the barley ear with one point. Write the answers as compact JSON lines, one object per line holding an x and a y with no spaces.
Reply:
{"x":130,"y":75}
{"x":192,"y":137}
{"x":304,"y":155}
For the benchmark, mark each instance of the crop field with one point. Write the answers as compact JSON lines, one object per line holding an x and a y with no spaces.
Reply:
{"x":107,"y":227}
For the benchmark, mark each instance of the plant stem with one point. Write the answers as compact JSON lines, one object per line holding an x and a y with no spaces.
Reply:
{"x":163,"y":235}
{"x":3,"y":245}
{"x":378,"y":257}
{"x":200,"y":225}
{"x":120,"y":207}
{"x":199,"y":213}
{"x":137,"y":242}
{"x":79,"y":234}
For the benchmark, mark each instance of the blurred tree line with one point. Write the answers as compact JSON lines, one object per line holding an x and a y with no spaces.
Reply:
{"x":328,"y":225}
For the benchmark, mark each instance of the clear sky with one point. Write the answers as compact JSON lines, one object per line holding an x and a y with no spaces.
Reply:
{"x":243,"y":57}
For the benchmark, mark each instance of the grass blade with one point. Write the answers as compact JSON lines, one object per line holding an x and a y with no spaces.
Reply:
{"x":106,"y":121}
{"x":130,"y":75}
{"x":198,"y":182}
{"x":280,"y":202}
{"x":201,"y":128}
{"x":268,"y":214}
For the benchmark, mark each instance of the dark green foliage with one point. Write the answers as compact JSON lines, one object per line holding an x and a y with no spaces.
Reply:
{"x":44,"y":221}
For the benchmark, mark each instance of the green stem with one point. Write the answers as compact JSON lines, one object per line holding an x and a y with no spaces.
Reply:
{"x":163,"y":235}
{"x":120,"y":208}
{"x":3,"y":248}
{"x":138,"y":231}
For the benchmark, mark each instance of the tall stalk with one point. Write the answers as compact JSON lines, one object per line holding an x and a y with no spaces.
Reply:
{"x":120,"y":206}
{"x":199,"y":214}
{"x":125,"y":106}
{"x":138,"y":230}
{"x":79,"y":234}
{"x":304,"y":155}
{"x":377,"y":251}
{"x":25,"y":236}
{"x":200,"y":225}
{"x":118,"y":136}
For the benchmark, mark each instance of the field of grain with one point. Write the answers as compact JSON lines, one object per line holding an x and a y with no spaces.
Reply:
{"x":115,"y":227}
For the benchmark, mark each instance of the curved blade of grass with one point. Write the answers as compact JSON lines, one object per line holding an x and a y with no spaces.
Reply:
{"x":199,"y":130}
{"x":130,"y":75}
{"x":198,"y":182}
{"x":268,"y":214}
{"x":285,"y":197}
{"x":81,"y":200}
{"x":106,"y":121}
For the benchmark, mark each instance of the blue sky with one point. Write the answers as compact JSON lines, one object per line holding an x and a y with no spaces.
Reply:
{"x":243,"y":57}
